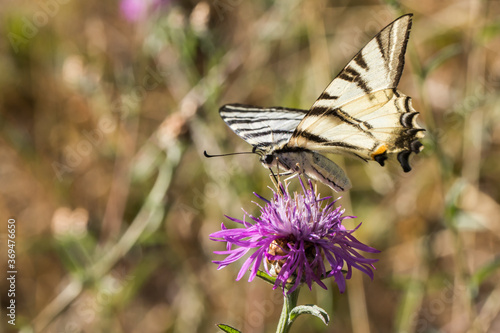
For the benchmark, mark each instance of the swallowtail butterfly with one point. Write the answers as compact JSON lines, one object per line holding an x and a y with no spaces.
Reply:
{"x":361,"y":113}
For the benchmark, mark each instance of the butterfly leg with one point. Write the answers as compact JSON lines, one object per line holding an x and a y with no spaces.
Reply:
{"x":295,"y":175}
{"x":284,"y":167}
{"x":274,"y":179}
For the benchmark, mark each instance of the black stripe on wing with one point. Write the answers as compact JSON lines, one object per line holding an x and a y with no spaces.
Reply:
{"x":247,"y":120}
{"x":401,"y":63}
{"x":360,"y":60}
{"x":252,"y":133}
{"x":326,"y":95}
{"x":342,"y":116}
{"x":351,"y":75}
{"x":325,"y":142}
{"x":245,"y":109}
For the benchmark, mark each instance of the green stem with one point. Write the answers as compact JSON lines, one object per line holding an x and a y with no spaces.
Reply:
{"x":289,"y":302}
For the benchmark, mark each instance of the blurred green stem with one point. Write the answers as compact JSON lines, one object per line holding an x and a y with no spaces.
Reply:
{"x":289,"y":302}
{"x":150,"y":213}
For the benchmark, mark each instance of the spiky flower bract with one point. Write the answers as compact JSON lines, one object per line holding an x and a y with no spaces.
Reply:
{"x":299,"y":238}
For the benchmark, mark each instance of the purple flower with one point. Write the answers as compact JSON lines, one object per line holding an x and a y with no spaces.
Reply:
{"x":137,"y":10}
{"x":298,"y":239}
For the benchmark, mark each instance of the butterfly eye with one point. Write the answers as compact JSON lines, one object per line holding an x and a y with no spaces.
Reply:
{"x":268,"y":159}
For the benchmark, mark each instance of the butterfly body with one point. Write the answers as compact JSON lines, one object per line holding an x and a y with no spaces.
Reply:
{"x":361,"y":113}
{"x":310,"y":163}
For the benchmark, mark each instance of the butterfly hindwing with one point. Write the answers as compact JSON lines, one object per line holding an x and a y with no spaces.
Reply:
{"x":313,"y":165}
{"x":369,"y":127}
{"x":326,"y":171}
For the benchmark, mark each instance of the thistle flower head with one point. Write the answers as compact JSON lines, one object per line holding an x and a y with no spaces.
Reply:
{"x":299,"y":239}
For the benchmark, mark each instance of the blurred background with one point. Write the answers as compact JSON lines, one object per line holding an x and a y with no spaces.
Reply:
{"x":107,"y":107}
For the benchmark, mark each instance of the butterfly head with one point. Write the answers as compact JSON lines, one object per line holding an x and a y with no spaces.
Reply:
{"x":268,"y":160}
{"x":267,"y":156}
{"x":288,"y":161}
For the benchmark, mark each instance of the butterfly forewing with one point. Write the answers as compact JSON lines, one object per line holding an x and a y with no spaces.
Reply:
{"x":361,"y":113}
{"x":377,"y":66}
{"x":263,"y":128}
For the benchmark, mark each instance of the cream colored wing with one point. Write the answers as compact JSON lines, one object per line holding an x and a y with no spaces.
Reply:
{"x":263,"y":128}
{"x":361,"y":113}
{"x":369,"y":127}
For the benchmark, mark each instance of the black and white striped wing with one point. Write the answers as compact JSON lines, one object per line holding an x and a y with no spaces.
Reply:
{"x":361,"y":113}
{"x":264,"y":128}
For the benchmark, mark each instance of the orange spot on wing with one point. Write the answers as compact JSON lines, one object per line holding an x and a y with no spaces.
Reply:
{"x":380,"y":150}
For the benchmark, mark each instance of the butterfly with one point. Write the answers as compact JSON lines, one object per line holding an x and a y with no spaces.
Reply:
{"x":361,"y":113}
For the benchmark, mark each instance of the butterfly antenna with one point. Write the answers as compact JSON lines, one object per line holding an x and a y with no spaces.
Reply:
{"x":229,"y":154}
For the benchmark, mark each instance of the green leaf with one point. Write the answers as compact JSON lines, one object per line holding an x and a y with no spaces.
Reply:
{"x":483,"y":273}
{"x":266,"y":277}
{"x":490,"y":31}
{"x":308,"y":309}
{"x":269,"y":279}
{"x":228,"y":329}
